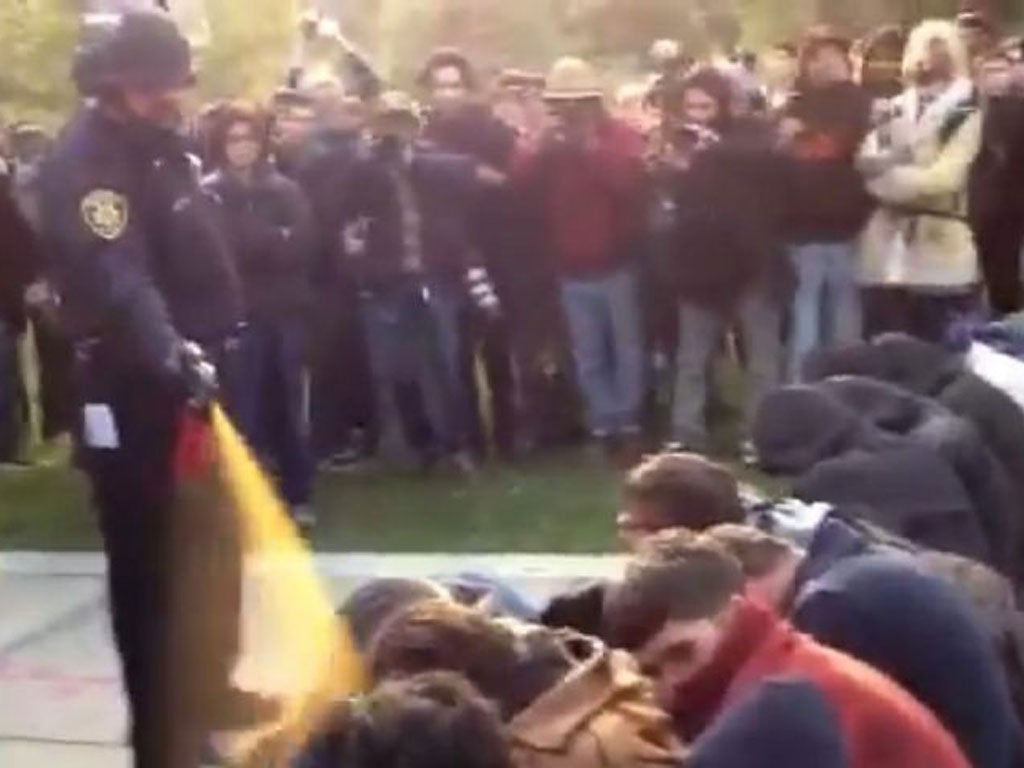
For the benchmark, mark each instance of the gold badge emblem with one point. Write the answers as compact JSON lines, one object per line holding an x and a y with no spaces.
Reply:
{"x":105,"y":213}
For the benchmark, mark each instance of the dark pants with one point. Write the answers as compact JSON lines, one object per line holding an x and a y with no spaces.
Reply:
{"x":175,"y":628}
{"x":56,"y":397}
{"x":926,"y":316}
{"x":999,"y":248}
{"x":13,"y":403}
{"x":341,"y":384}
{"x":269,"y":400}
{"x":494,"y":346}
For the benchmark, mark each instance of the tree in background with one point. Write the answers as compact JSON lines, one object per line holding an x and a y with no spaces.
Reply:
{"x":35,"y":59}
{"x":249,"y":48}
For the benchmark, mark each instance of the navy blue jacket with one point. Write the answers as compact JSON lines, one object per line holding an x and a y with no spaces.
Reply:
{"x":445,"y":186}
{"x":270,"y":227}
{"x":138,"y":251}
{"x":785,"y":723}
{"x":914,"y":627}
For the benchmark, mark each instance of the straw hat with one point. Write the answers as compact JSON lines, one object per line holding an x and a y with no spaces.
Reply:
{"x":572,"y":79}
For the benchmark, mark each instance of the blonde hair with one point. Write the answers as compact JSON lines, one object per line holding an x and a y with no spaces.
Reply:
{"x":916,"y":50}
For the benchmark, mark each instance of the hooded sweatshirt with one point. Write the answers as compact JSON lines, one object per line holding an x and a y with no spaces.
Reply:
{"x":882,"y":608}
{"x":930,"y":425}
{"x":882,"y":725}
{"x":840,"y":458}
{"x":929,"y":370}
{"x":785,"y":721}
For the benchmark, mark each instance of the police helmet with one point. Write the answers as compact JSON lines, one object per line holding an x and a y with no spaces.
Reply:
{"x":139,"y":49}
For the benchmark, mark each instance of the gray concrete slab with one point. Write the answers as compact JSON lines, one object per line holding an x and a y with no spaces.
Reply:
{"x":60,"y":693}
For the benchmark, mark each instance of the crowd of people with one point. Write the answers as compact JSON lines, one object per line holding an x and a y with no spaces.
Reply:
{"x":510,"y":264}
{"x":742,"y":632}
{"x":448,"y":277}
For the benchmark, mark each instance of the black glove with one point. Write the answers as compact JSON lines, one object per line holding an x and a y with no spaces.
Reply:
{"x":197,"y":375}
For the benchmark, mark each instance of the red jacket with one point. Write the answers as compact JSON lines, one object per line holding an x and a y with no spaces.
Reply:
{"x":592,"y":200}
{"x":883,"y":725}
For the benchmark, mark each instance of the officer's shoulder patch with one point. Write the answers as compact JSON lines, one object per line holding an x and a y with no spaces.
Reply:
{"x":105,"y":213}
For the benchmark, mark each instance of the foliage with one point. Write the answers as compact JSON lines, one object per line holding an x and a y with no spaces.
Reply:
{"x":249,"y":47}
{"x":35,"y":59}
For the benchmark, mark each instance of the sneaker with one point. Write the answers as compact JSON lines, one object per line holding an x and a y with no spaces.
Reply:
{"x":304,"y":516}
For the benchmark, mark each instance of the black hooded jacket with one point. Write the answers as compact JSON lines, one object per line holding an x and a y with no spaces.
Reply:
{"x":841,"y":458}
{"x":929,"y":370}
{"x":728,"y":231}
{"x":932,"y":426}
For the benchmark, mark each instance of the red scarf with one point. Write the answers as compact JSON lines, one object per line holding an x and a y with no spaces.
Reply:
{"x":698,"y":701}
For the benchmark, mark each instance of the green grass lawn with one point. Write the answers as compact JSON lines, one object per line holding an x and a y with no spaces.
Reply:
{"x":560,"y":504}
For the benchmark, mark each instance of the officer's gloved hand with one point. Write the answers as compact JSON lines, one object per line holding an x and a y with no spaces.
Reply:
{"x":197,"y":375}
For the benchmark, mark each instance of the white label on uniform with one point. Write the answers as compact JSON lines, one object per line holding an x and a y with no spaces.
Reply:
{"x":100,"y":428}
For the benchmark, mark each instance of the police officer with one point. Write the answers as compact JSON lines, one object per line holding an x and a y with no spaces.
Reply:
{"x":142,"y":265}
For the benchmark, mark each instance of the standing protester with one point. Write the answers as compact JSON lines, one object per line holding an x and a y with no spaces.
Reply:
{"x":341,"y":389}
{"x":822,"y":128}
{"x":20,"y":263}
{"x":728,"y":254}
{"x":415,"y":203}
{"x":142,"y":268}
{"x":586,"y":175}
{"x":918,"y":260}
{"x":30,"y":146}
{"x":461,"y":123}
{"x":997,"y":185}
{"x":270,"y":227}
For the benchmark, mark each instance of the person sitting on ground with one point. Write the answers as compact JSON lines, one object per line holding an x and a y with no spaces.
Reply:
{"x":883,"y":610}
{"x":434,"y":720}
{"x":372,"y":604}
{"x":682,"y":611}
{"x":565,"y":699}
{"x":933,"y":371}
{"x":838,"y":457}
{"x":786,"y":721}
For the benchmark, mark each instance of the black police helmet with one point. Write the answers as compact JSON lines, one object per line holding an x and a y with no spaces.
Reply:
{"x":142,"y":50}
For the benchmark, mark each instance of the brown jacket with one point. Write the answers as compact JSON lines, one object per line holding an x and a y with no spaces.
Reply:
{"x":601,"y":715}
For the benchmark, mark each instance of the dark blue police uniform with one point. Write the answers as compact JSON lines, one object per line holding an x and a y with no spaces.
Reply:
{"x":142,"y":265}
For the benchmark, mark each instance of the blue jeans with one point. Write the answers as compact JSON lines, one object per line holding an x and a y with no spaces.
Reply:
{"x":827,"y":305}
{"x":606,"y":333}
{"x":269,"y":399}
{"x":404,"y":362}
{"x":452,"y":400}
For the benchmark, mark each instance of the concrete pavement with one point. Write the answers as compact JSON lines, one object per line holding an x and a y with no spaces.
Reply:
{"x":60,"y":696}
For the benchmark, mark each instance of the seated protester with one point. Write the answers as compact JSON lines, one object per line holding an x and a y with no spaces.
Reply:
{"x":956,"y":440}
{"x":729,"y":266}
{"x":433,"y":720}
{"x":374,"y":603}
{"x":839,"y":458}
{"x":929,"y":370}
{"x":681,"y":610}
{"x":270,"y":226}
{"x":884,"y":610}
{"x":670,"y":490}
{"x":565,"y":699}
{"x":687,"y":491}
{"x":786,"y":721}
